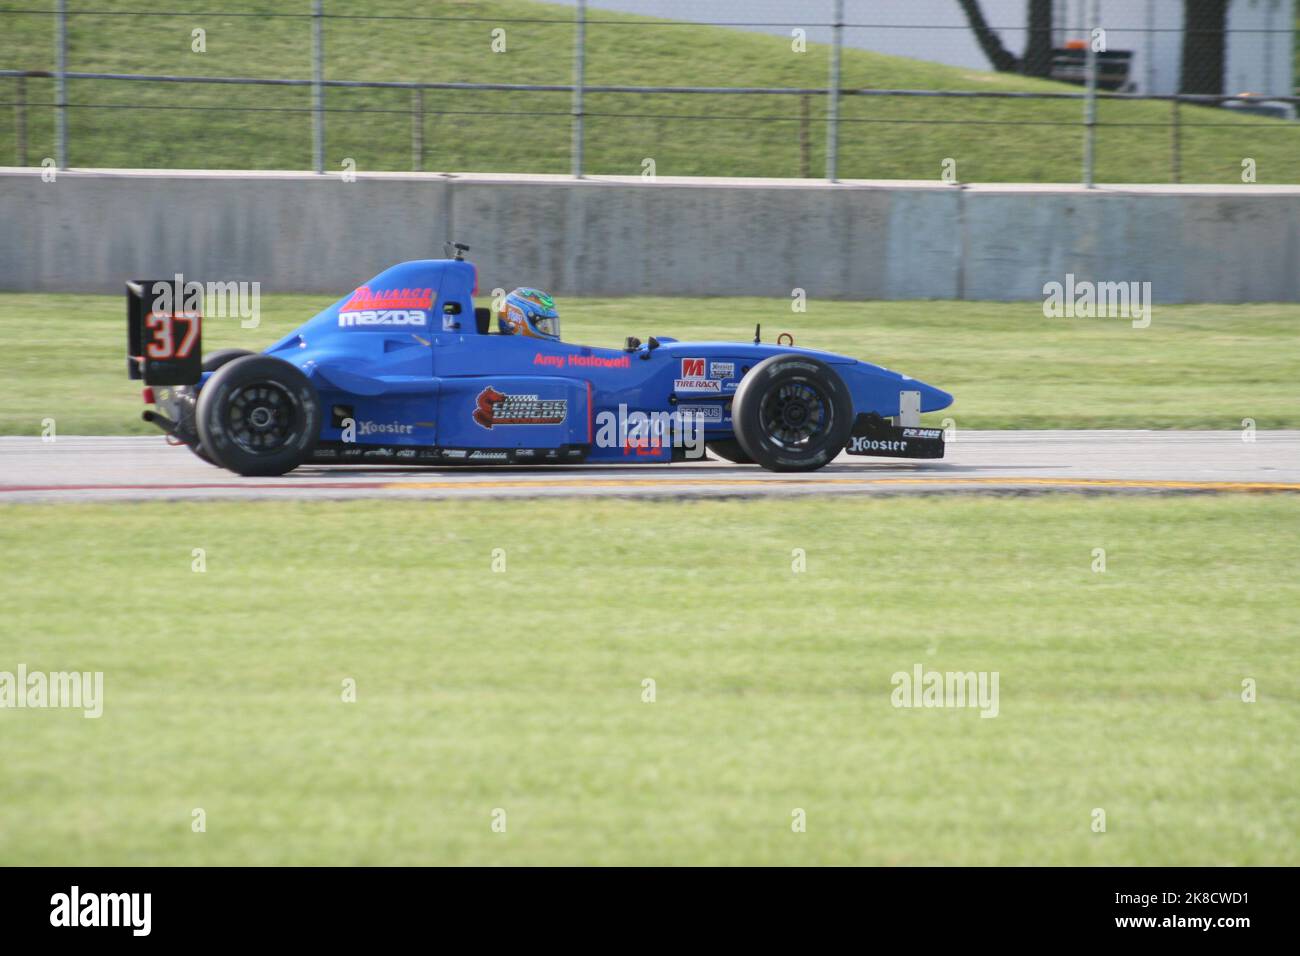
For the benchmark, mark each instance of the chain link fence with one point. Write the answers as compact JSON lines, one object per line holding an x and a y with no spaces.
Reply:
{"x":960,"y":90}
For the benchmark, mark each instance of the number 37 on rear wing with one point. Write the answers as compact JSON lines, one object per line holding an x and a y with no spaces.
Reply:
{"x":164,"y":332}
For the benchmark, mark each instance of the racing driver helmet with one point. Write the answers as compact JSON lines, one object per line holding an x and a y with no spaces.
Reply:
{"x":530,"y":313}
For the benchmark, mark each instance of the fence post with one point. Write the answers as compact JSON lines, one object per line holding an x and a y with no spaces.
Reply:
{"x":1151,"y":48}
{"x":833,"y":107}
{"x":579,"y":79}
{"x":805,"y":136}
{"x":20,"y":119}
{"x":317,"y":87}
{"x":1176,"y":143}
{"x":61,"y":87}
{"x":417,"y":130}
{"x":1090,"y":102}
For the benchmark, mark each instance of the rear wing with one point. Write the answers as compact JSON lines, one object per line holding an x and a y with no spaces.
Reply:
{"x":164,"y":331}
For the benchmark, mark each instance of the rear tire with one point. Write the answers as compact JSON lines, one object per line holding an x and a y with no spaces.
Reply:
{"x":258,"y":415}
{"x":214,"y":360}
{"x":792,"y":413}
{"x":211,"y":362}
{"x":728,"y":449}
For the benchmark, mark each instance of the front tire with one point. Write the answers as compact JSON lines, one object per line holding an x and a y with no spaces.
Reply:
{"x":792,"y":413}
{"x":258,"y":415}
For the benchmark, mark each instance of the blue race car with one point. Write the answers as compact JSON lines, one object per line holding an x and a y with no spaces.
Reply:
{"x":405,"y":370}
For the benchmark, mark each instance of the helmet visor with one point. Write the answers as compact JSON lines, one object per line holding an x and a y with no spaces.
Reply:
{"x":548,"y":325}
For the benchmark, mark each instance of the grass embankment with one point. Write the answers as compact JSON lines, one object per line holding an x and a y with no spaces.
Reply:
{"x":118,"y":124}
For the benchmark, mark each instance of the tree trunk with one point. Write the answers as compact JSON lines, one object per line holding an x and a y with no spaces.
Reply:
{"x":1204,"y":22}
{"x":990,"y":42}
{"x":1038,"y":48}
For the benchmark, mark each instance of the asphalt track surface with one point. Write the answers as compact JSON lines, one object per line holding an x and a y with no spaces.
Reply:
{"x":79,"y":469}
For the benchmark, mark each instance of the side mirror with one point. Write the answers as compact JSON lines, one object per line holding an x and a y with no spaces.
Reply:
{"x":449,"y":309}
{"x":483,"y":319}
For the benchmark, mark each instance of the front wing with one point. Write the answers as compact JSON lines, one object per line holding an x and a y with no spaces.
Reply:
{"x":880,"y":438}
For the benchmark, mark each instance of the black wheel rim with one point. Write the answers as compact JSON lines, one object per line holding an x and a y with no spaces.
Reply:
{"x":260,"y":417}
{"x":794,"y":415}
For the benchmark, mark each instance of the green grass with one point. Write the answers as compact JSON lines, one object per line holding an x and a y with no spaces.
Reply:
{"x":155,"y":124}
{"x":1204,"y":366}
{"x":522,"y":691}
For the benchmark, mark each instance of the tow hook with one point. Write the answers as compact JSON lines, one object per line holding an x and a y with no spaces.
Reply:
{"x":162,"y":421}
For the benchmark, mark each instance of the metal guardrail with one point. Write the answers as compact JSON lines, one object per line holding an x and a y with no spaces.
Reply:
{"x":577,"y":113}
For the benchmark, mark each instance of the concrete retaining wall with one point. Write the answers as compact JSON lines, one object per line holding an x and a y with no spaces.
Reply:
{"x":89,"y":230}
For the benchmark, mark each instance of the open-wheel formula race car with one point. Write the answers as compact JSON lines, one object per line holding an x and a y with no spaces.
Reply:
{"x":405,"y":370}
